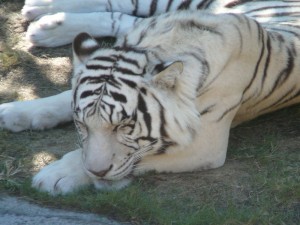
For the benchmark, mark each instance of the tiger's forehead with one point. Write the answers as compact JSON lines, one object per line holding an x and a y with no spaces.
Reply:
{"x":116,"y":57}
{"x":108,"y":75}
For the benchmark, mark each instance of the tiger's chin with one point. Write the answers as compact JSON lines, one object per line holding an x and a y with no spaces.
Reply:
{"x":67,"y":175}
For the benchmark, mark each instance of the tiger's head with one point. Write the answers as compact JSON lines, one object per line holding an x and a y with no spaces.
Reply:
{"x":126,"y":109}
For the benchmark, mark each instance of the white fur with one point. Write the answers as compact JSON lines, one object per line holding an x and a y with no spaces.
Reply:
{"x":58,"y":22}
{"x":229,"y":56}
{"x":36,"y":114}
{"x":62,"y":176}
{"x":61,"y":28}
{"x":68,"y":174}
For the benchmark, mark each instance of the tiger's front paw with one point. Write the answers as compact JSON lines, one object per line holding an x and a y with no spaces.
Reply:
{"x":63,"y":176}
{"x":68,"y":174}
{"x":19,"y":116}
{"x":38,"y":114}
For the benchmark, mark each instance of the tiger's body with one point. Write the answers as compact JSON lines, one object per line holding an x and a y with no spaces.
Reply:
{"x":164,"y":97}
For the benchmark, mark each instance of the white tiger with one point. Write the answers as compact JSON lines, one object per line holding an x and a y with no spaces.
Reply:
{"x":164,"y":97}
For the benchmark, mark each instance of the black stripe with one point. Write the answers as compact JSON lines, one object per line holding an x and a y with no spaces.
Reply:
{"x":270,"y":15}
{"x":269,"y":49}
{"x":123,"y":169}
{"x":207,"y":109}
{"x":126,"y":48}
{"x":153,"y":7}
{"x":97,"y":67}
{"x":105,"y":58}
{"x":101,"y":79}
{"x":283,"y":75}
{"x":142,"y":107}
{"x":269,"y":7}
{"x":236,"y":3}
{"x":86,"y":94}
{"x":130,"y":61}
{"x":135,"y":3}
{"x":129,"y":83}
{"x":169,"y":5}
{"x":92,"y":80}
{"x":92,"y":110}
{"x":279,"y":101}
{"x":264,"y":75}
{"x":286,"y":31}
{"x":127,"y":71}
{"x":163,"y":132}
{"x":185,"y":4}
{"x":229,"y":110}
{"x":204,"y":4}
{"x":142,"y":35}
{"x":118,"y":97}
{"x":146,"y":138}
{"x":191,"y":24}
{"x":296,"y":95}
{"x":261,"y":38}
{"x":111,"y":107}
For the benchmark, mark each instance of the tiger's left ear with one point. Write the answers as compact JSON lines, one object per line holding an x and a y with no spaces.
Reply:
{"x":83,"y":46}
{"x":167,"y":78}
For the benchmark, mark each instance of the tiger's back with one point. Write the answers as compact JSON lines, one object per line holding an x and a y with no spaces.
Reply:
{"x":256,"y":64}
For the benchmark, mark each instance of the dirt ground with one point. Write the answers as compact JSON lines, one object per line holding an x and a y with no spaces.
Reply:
{"x":27,"y":73}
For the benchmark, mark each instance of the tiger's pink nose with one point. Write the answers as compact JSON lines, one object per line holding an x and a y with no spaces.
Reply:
{"x":101,"y":173}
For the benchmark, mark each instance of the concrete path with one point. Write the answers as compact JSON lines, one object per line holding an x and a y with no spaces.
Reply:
{"x":15,"y":211}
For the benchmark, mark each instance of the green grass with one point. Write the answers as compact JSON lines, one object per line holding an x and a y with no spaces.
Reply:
{"x":259,"y":184}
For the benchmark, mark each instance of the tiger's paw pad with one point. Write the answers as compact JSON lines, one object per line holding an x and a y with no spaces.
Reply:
{"x":50,"y":31}
{"x":63,"y":176}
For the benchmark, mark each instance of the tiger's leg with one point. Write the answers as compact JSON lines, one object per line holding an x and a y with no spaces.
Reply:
{"x":68,"y":174}
{"x":207,"y":151}
{"x":35,"y":8}
{"x":36,"y":114}
{"x":61,"y":28}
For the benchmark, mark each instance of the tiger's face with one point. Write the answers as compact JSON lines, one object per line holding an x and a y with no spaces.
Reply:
{"x":118,"y":109}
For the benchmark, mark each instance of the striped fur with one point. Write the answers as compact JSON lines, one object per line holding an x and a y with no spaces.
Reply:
{"x":58,"y":21}
{"x":165,"y":95}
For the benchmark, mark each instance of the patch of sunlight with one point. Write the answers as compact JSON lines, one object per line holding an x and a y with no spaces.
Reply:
{"x":41,"y":160}
{"x":22,"y":93}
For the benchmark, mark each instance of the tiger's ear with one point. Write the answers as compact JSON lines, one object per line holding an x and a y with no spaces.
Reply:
{"x":167,"y":78}
{"x":83,"y":46}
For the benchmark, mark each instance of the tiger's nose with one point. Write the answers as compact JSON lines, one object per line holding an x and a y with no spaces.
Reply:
{"x":101,"y":173}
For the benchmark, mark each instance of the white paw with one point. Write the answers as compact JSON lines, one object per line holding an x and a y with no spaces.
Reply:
{"x":68,"y":174}
{"x":63,"y":176}
{"x":19,"y":116}
{"x":36,"y":114}
{"x":33,"y":9}
{"x":51,"y":31}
